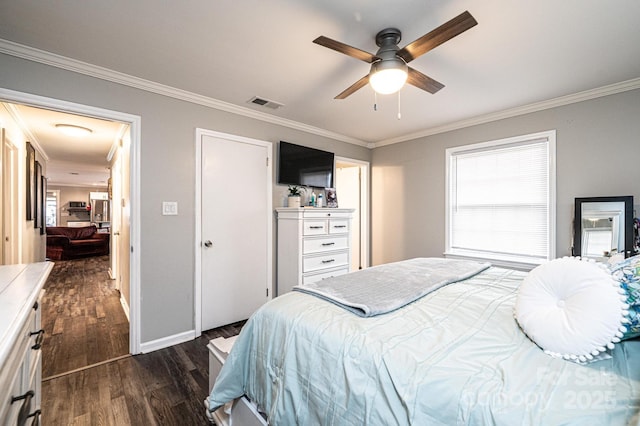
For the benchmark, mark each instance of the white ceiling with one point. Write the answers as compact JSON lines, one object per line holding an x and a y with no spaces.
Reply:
{"x":71,"y":161}
{"x":520,"y":53}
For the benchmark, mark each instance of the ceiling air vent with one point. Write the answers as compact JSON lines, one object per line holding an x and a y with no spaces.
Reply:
{"x":264,"y":102}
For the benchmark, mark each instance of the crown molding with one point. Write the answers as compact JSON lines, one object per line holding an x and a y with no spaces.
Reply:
{"x":24,"y":128}
{"x":117,"y":142}
{"x":69,"y":64}
{"x":514,"y":112}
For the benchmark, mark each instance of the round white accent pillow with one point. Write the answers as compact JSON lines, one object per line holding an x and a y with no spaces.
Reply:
{"x":571,"y":308}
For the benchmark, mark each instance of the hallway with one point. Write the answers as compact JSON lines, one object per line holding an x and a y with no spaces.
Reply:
{"x":85,"y":326}
{"x":82,"y":317}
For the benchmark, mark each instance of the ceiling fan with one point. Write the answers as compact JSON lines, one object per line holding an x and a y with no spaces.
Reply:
{"x":389,"y":70}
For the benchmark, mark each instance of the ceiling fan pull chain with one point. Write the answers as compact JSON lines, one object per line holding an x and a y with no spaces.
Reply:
{"x":399,"y":113}
{"x":375,"y":100}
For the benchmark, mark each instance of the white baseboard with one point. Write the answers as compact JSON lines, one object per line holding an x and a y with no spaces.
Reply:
{"x":125,"y":306}
{"x":165,"y":342}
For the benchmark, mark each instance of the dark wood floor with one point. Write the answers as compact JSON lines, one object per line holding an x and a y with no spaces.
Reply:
{"x":82,"y":316}
{"x":84,"y":324}
{"x":165,"y":387}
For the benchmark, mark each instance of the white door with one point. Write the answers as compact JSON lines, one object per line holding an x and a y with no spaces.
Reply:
{"x":236,"y":228}
{"x":9,"y":189}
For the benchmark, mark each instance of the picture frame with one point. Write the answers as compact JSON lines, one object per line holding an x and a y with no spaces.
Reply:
{"x":332,"y":198}
{"x":37,"y":223}
{"x":30,"y":180}
{"x":43,"y":205}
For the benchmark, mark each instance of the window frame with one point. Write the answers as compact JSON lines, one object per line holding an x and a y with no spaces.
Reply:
{"x":504,"y":260}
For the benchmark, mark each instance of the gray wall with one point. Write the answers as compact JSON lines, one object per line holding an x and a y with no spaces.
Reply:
{"x":29,"y":242}
{"x":167,"y":173}
{"x":598,"y":154}
{"x":73,"y":193}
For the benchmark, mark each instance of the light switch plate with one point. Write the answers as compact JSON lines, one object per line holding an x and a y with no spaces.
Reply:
{"x":169,"y":208}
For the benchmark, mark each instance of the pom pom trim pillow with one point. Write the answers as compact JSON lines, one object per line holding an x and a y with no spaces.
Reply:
{"x":572,"y":309}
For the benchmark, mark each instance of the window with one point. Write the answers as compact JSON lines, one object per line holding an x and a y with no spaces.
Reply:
{"x":52,"y":208}
{"x":501,"y":200}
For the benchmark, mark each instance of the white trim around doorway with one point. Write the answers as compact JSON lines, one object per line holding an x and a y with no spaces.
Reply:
{"x":365,"y":184}
{"x":7,"y":95}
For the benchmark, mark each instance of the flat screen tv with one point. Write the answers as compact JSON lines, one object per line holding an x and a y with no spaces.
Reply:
{"x":301,"y":165}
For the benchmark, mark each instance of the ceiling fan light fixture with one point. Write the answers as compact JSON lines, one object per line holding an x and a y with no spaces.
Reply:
{"x":73,"y":130}
{"x":388,"y":76}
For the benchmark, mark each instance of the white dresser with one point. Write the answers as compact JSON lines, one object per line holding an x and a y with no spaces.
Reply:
{"x":313,"y":243}
{"x":20,"y":341}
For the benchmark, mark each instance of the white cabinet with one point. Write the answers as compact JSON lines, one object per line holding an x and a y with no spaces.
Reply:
{"x":313,"y":244}
{"x":20,"y":341}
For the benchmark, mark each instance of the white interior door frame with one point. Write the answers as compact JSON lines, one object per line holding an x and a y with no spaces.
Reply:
{"x":365,"y":184}
{"x":197,"y":293}
{"x":134,"y":122}
{"x":10,"y":239}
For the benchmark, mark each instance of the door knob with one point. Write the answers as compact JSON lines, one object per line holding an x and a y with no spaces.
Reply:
{"x":208,"y":243}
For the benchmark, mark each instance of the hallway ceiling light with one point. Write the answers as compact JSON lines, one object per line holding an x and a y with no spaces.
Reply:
{"x":73,"y":130}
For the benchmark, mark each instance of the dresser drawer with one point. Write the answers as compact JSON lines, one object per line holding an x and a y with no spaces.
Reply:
{"x":9,"y":413}
{"x":326,"y":213}
{"x":315,"y":227}
{"x":338,"y":226}
{"x":308,"y":279}
{"x":318,"y":245}
{"x":315,"y":263}
{"x":35,"y":336}
{"x":19,"y":365}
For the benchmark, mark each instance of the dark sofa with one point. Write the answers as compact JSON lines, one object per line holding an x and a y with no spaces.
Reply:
{"x":64,"y":243}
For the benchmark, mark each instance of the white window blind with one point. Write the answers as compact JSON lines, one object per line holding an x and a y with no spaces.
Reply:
{"x":500,"y":199}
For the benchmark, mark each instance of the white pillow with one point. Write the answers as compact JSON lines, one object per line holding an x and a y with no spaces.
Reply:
{"x":571,"y":308}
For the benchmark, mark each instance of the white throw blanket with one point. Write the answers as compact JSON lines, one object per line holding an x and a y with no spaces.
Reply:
{"x":385,"y":288}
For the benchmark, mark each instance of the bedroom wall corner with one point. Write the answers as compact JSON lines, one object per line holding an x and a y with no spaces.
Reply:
{"x":596,"y":154}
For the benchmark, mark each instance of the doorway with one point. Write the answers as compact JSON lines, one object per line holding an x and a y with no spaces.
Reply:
{"x":52,"y":207}
{"x":352,"y":190}
{"x":131,"y":170}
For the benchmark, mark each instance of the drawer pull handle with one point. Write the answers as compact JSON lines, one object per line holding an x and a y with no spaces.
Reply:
{"x":328,"y":261}
{"x":23,"y":414}
{"x":316,"y":227}
{"x":39,"y":339}
{"x":328,"y":244}
{"x":340,"y":226}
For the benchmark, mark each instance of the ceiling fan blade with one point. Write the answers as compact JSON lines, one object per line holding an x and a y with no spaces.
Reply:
{"x":355,"y":86}
{"x":421,"y":81}
{"x":354,"y":52}
{"x":434,"y":38}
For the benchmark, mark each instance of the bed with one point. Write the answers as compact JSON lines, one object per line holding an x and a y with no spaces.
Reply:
{"x":455,"y":355}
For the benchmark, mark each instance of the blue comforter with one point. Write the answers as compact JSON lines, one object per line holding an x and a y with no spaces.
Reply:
{"x":453,"y":357}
